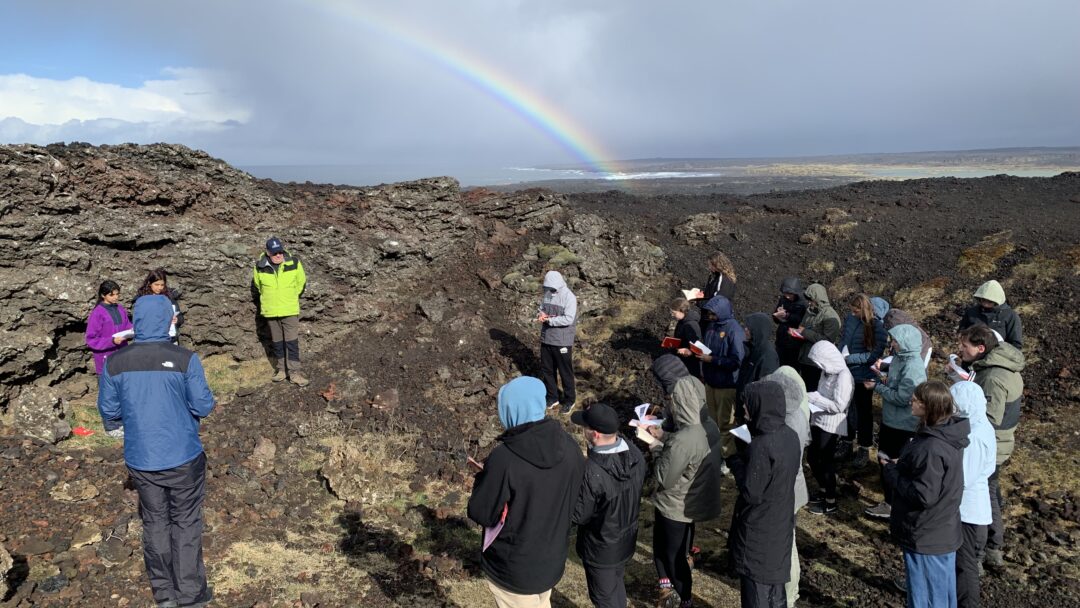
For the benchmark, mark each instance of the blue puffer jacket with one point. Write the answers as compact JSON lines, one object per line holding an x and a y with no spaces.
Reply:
{"x":725,"y":337}
{"x":158,"y":389}
{"x":859,"y":358}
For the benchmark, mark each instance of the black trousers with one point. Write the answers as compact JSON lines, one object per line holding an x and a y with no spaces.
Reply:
{"x":671,"y":545}
{"x":811,"y":375}
{"x":170,"y":505}
{"x":891,"y":441}
{"x":761,"y":595}
{"x":558,"y":359}
{"x":607,"y":588}
{"x":861,"y":417}
{"x":822,"y":459}
{"x":968,"y":557}
{"x":995,"y":534}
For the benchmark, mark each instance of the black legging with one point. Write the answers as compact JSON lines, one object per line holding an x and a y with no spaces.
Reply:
{"x":821,"y":456}
{"x":671,"y":544}
{"x":861,"y":417}
{"x":892,"y":441}
{"x":811,"y":375}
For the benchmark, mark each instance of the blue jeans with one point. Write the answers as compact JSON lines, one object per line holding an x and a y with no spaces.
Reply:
{"x":931,"y":580}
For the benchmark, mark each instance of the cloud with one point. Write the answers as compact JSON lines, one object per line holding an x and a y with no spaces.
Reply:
{"x":184,"y":102}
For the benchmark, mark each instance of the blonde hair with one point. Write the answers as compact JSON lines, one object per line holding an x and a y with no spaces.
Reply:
{"x":722,"y":263}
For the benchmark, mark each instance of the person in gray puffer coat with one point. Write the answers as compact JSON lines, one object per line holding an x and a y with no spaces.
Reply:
{"x":558,"y":319}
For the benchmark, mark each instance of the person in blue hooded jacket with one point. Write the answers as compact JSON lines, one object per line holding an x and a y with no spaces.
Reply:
{"x":864,"y":339}
{"x":159,"y":391}
{"x":980,"y":461}
{"x":898,"y":423}
{"x":720,"y":368}
{"x":530,"y":484}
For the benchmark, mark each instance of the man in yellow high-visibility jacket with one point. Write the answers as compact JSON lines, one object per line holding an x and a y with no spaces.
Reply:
{"x":279,"y":278}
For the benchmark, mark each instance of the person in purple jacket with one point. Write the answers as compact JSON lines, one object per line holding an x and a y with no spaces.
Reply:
{"x":107,"y":318}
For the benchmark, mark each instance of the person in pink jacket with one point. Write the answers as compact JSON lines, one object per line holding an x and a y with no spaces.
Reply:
{"x":828,"y":420}
{"x":106,"y":320}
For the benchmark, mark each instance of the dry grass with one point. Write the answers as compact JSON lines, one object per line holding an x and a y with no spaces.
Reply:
{"x":227,"y":375}
{"x":841,"y":288}
{"x":821,"y":267}
{"x":384,"y":463}
{"x":84,"y":413}
{"x":982,"y":258}
{"x":1072,"y":258}
{"x":923,"y":299}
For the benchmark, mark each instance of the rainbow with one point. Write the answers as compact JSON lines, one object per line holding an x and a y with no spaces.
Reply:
{"x":527,"y":104}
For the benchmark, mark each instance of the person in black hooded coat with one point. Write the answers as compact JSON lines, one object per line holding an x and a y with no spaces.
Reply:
{"x":761,"y":357}
{"x":688,"y":331}
{"x":790,"y":310}
{"x":764,"y":519}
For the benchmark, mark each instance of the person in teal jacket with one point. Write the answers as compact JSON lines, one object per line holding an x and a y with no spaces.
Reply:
{"x":279,"y":280}
{"x":898,"y":424}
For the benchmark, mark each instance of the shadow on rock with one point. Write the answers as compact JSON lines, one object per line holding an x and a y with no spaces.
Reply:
{"x":511,"y":347}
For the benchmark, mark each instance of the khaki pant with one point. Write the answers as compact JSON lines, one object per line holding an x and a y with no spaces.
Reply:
{"x":721,"y":404}
{"x":509,"y":599}
{"x":285,"y":333}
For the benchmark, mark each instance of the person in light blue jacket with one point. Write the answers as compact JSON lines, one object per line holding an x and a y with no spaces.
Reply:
{"x":159,"y":391}
{"x":980,"y":460}
{"x":898,"y":424}
{"x":864,"y":339}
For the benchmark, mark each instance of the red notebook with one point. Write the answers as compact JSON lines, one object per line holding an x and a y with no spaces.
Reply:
{"x":670,"y":342}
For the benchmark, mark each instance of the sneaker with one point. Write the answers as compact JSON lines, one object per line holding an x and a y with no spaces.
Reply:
{"x":881,"y":511}
{"x":861,"y":458}
{"x":823,"y":508}
{"x":553,"y":405}
{"x":116,"y":433}
{"x":994,"y":558}
{"x":278,"y":377}
{"x":566,"y":409}
{"x":900,"y":582}
{"x":168,"y":604}
{"x":298,"y":380}
{"x":724,"y":469}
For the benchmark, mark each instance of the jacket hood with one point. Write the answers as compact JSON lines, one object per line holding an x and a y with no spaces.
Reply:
{"x":970,"y":402}
{"x":825,"y":355}
{"x":817,"y":294}
{"x":687,"y":402}
{"x":791,"y":285}
{"x":539,"y":443}
{"x":793,"y":386}
{"x":693,"y":315}
{"x":618,"y":462}
{"x":554,"y":280}
{"x":953,"y":431}
{"x":895,"y":317}
{"x":668,"y":369}
{"x":765,"y":405}
{"x":761,"y":329}
{"x":881,"y":307}
{"x":721,"y":307}
{"x":908,"y":339}
{"x":153,"y":316}
{"x":991,"y":290}
{"x":522,"y":400}
{"x":1004,"y":355}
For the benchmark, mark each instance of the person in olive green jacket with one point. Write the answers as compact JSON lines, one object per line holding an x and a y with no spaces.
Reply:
{"x":997,"y":366}
{"x":820,"y":323}
{"x":279,"y":280}
{"x":898,"y":424}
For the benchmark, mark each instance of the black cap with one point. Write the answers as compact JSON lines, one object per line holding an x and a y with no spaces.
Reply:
{"x":599,"y":417}
{"x":273,"y":245}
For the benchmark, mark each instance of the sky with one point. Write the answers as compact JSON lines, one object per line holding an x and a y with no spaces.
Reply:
{"x":528,"y":82}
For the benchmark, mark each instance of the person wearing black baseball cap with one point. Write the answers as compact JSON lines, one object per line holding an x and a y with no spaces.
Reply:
{"x":279,"y":280}
{"x":607,"y":508}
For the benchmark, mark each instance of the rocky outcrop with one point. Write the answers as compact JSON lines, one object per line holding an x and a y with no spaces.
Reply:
{"x":5,"y":567}
{"x":73,"y":216}
{"x":39,"y":412}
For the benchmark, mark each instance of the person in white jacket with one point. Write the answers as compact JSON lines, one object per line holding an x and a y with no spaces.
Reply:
{"x":980,"y":461}
{"x":828,"y":421}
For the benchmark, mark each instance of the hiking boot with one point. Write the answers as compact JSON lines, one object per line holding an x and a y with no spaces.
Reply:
{"x":667,"y":598}
{"x":900,"y":582}
{"x":861,"y":458}
{"x":823,"y":508}
{"x":553,"y":405}
{"x":881,"y":511}
{"x":994,"y":558}
{"x":116,"y":433}
{"x":298,"y":380}
{"x":278,"y":377}
{"x":566,"y":409}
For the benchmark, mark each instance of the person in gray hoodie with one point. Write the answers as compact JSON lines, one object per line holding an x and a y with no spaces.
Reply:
{"x":898,"y":424}
{"x":797,"y":418}
{"x":558,"y":328}
{"x":687,"y":472}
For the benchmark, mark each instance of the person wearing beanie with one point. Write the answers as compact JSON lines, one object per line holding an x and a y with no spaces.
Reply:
{"x":279,"y":280}
{"x":529,"y":485}
{"x":991,"y":310}
{"x":607,"y":508}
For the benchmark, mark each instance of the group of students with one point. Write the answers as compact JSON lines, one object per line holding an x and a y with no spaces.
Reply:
{"x":800,"y":378}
